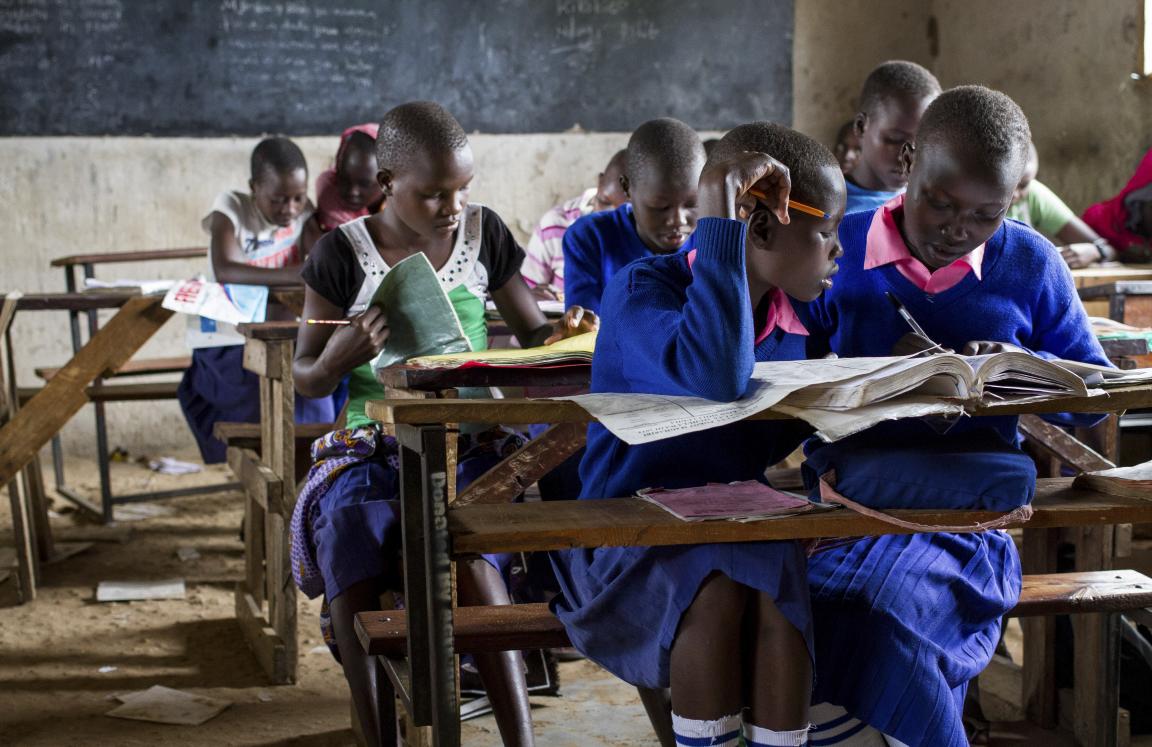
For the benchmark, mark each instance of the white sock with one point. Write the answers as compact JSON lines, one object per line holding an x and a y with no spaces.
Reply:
{"x":758,"y":736}
{"x":832,"y":725}
{"x":723,"y":732}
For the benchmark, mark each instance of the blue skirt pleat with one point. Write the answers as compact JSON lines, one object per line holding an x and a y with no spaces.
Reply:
{"x":903,"y":622}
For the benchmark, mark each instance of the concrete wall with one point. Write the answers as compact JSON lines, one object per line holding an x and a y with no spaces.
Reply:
{"x":837,"y":42}
{"x":61,"y":196}
{"x":1066,"y":62}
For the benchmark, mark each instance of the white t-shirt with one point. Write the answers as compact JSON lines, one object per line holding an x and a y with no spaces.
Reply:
{"x":263,"y":243}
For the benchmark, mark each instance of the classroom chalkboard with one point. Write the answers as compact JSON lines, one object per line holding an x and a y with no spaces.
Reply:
{"x":246,"y":67}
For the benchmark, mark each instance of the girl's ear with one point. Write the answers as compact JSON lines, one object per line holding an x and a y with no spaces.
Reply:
{"x":624,"y":184}
{"x":252,"y":186}
{"x":859,"y":123}
{"x":907,"y":158}
{"x":762,"y":226}
{"x":384,"y":179}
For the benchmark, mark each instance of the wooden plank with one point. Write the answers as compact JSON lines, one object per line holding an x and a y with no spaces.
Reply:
{"x":147,"y":255}
{"x":262,"y":639}
{"x":137,"y":367}
{"x":1095,"y":658}
{"x":247,"y":435}
{"x":614,"y":522}
{"x":76,"y":301}
{"x":269,"y":330}
{"x":514,"y":474}
{"x":1062,"y":445}
{"x":515,"y":410}
{"x":1084,"y":591}
{"x":1039,"y":665}
{"x":261,"y":360}
{"x":140,"y":392}
{"x":507,"y":627}
{"x":438,"y":379}
{"x":114,"y":344}
{"x":27,"y":560}
{"x":259,"y":482}
{"x":525,"y":626}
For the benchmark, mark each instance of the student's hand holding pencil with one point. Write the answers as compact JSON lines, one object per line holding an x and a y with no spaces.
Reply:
{"x":731,"y":187}
{"x":576,"y":321}
{"x":359,"y":341}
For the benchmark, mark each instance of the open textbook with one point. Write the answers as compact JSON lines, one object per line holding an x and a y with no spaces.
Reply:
{"x":1126,"y":482}
{"x":571,"y":351}
{"x":846,"y":395}
{"x":421,"y":320}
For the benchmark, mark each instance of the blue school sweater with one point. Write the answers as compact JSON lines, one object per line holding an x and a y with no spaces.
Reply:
{"x":1026,"y":297}
{"x":866,"y":200}
{"x":596,"y":246}
{"x":671,"y":329}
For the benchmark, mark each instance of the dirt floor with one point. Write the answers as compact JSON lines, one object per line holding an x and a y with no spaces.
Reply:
{"x":65,"y":656}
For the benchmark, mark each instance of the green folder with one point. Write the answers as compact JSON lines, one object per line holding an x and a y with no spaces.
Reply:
{"x":421,"y":320}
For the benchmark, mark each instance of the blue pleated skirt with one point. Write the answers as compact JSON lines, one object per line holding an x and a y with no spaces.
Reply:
{"x":216,"y":387}
{"x":903,"y":622}
{"x":622,"y":605}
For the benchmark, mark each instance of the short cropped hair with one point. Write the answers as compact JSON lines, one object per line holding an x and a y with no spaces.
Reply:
{"x":417,"y":127}
{"x":276,"y":155}
{"x":665,"y":146}
{"x":805,"y":158}
{"x":981,"y":120}
{"x":897,"y":79}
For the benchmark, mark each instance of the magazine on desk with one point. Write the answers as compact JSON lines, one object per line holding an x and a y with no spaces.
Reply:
{"x":737,"y":501}
{"x":1126,"y":482}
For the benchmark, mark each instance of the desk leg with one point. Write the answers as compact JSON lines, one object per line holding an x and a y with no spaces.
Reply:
{"x":1096,"y":655}
{"x":428,"y":579}
{"x":1039,"y":665}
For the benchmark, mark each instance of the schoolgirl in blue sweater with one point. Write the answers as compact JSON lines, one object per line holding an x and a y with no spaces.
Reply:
{"x":904,"y":622}
{"x":726,"y":626}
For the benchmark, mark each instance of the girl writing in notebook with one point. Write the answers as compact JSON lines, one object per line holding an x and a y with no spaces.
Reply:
{"x":727,"y":627}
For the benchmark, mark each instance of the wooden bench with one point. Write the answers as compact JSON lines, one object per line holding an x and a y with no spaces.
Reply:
{"x":138,"y":367}
{"x":435,"y":533}
{"x":521,"y":626}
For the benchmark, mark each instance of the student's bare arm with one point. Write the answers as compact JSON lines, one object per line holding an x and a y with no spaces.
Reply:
{"x":518,"y":307}
{"x":325,"y":353}
{"x":1079,"y":245}
{"x":228,"y":260}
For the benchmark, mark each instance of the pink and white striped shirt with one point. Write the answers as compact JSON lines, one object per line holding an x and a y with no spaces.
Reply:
{"x":544,"y":260}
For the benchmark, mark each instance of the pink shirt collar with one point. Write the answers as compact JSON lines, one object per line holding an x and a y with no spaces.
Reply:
{"x":780,"y":312}
{"x":885,"y":246}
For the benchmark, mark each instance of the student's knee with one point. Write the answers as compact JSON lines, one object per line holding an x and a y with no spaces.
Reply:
{"x":721,"y":597}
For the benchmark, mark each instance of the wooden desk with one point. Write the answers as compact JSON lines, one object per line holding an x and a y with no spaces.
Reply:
{"x":1098,"y":275}
{"x":110,"y":347}
{"x":434,"y":533}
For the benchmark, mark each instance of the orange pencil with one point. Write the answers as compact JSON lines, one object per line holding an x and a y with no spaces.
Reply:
{"x":793,"y":204}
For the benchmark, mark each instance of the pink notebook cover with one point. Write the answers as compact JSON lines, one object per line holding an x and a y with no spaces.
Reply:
{"x":738,"y":500}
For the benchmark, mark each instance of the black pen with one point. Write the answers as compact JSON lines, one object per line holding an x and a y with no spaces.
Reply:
{"x":908,"y":317}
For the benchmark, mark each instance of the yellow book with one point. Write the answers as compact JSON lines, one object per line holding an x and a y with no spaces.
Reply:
{"x":571,"y":351}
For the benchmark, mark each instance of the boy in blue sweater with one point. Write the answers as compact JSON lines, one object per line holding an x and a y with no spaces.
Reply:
{"x":904,"y":622}
{"x":660,"y":178}
{"x":892,"y":102}
{"x":727,"y":627}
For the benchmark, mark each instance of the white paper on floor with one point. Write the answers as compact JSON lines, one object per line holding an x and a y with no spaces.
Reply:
{"x":163,"y":705}
{"x":127,"y":591}
{"x":170,"y":466}
{"x":138,"y":511}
